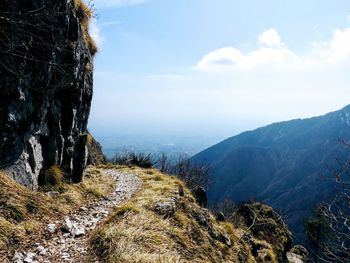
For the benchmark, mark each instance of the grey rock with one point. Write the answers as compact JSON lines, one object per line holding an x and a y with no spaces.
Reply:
{"x":95,"y":153}
{"x":294,"y":258}
{"x":166,"y":209}
{"x":67,"y":225}
{"x":53,"y":193}
{"x":227,"y":240}
{"x":202,"y":219}
{"x":18,"y":258}
{"x":29,"y":257}
{"x":77,"y":230}
{"x":39,"y":248}
{"x":74,"y":229}
{"x":51,"y":228}
{"x":298,"y":254}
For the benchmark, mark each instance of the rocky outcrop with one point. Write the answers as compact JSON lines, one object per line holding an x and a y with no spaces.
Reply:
{"x":201,"y":196}
{"x":263,"y":223}
{"x":95,"y":154}
{"x":298,"y":254}
{"x":46,"y":88}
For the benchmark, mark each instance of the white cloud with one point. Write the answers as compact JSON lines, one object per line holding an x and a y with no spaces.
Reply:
{"x":230,"y":58}
{"x":270,"y":38}
{"x":95,"y":30}
{"x":340,"y":45}
{"x":117,"y":3}
{"x":95,"y":33}
{"x":272,"y":54}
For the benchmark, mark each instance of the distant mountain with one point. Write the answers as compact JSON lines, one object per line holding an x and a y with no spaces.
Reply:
{"x":283,"y":164}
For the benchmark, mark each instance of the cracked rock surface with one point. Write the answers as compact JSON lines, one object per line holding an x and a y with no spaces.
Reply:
{"x":46,"y":89}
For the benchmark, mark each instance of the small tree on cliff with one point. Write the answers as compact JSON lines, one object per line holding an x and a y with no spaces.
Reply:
{"x":318,"y":231}
{"x":329,"y":228}
{"x":195,"y":175}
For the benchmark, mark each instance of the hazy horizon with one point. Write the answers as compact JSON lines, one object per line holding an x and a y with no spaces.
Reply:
{"x":222,"y":69}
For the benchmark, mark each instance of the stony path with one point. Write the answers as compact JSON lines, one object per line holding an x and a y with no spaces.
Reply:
{"x":67,"y":239}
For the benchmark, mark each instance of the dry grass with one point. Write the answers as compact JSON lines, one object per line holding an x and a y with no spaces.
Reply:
{"x":85,"y":14}
{"x":265,"y":253}
{"x":136,"y":233}
{"x":54,"y":177}
{"x":24,"y":214}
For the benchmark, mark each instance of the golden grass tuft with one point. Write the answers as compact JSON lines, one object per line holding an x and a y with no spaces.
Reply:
{"x":85,"y":14}
{"x":125,"y":209}
{"x":134,"y":232}
{"x":265,"y":253}
{"x":53,"y":177}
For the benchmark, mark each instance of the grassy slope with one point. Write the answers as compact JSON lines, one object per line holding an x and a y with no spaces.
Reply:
{"x":136,"y":233}
{"x":24,"y":215}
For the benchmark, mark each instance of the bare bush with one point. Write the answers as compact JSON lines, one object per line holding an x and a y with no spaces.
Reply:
{"x":163,"y":163}
{"x":143,"y":160}
{"x":227,"y":207}
{"x":194,"y":175}
{"x":329,"y":227}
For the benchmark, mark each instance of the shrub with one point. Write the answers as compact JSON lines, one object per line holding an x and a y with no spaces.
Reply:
{"x":193,"y":174}
{"x":142,"y":160}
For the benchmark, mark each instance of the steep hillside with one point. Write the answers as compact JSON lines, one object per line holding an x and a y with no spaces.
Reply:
{"x":46,"y":87}
{"x":161,"y":222}
{"x":164,"y":223}
{"x":281,"y":164}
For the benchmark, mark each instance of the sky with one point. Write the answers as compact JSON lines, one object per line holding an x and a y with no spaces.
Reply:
{"x":205,"y":67}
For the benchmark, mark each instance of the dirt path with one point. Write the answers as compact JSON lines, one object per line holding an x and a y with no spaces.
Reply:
{"x":68,"y":240}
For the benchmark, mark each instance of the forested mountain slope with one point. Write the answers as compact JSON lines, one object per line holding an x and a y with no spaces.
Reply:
{"x":283,"y":164}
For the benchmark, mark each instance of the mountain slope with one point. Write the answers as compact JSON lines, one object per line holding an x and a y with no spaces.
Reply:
{"x":281,"y":164}
{"x":164,"y":223}
{"x":158,"y":221}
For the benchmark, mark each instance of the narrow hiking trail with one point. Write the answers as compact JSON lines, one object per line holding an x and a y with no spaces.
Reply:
{"x":66,"y":240}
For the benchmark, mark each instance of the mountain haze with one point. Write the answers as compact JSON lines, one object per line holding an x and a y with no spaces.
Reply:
{"x":287,"y":165}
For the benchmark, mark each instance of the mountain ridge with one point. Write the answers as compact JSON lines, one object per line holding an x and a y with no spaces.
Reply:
{"x":344,"y":109}
{"x":284,"y":164}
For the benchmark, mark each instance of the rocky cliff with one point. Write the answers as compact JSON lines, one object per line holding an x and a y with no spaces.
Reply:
{"x":46,"y":88}
{"x":95,"y":153}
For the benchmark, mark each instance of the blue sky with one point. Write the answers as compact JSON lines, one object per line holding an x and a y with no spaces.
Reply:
{"x":217,"y":67}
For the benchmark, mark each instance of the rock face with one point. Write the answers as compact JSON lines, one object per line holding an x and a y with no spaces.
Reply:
{"x":95,"y":154}
{"x":46,"y":88}
{"x":201,"y":196}
{"x":264,"y":223}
